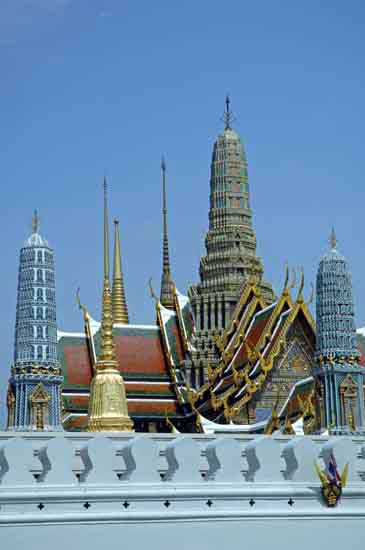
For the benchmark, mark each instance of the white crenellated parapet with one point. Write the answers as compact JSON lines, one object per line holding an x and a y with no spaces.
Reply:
{"x":16,"y":457}
{"x":65,"y":479}
{"x":68,"y":460}
{"x":221,"y":454}
{"x":64,"y":459}
{"x":299,"y":455}
{"x":260,"y":469}
{"x":97,"y":455}
{"x":141,"y":460}
{"x":57,"y":460}
{"x":183,"y":458}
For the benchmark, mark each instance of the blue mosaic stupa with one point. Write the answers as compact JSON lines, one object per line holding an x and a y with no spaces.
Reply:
{"x":34,"y":394}
{"x":339,"y":375}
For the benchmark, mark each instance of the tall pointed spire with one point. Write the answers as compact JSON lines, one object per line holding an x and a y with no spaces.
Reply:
{"x":339,"y":373}
{"x":35,"y":382}
{"x":107,"y":352}
{"x":167,"y":285}
{"x":108,"y":408}
{"x":120,"y":309}
{"x":106,"y":232}
{"x":230,"y":262}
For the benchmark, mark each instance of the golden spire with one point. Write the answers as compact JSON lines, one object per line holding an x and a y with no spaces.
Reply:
{"x":167,"y":285}
{"x":106,"y":345}
{"x":120,"y":309}
{"x":108,"y":409}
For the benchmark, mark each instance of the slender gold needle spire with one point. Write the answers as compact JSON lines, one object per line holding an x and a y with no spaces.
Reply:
{"x":106,"y":232}
{"x":120,"y":308}
{"x":106,"y":344}
{"x":108,"y":408}
{"x":167,"y":285}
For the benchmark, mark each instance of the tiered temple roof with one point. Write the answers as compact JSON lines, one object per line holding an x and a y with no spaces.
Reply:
{"x":150,"y":358}
{"x":254,"y":345}
{"x":266,"y":349}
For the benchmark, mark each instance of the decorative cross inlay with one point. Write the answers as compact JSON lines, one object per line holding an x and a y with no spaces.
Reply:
{"x":209,"y":503}
{"x":126,"y":504}
{"x":290,"y":502}
{"x":252,"y":502}
{"x":87,"y":505}
{"x":167,"y":503}
{"x":40,"y":506}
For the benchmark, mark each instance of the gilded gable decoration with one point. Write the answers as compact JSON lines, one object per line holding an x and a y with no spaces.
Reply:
{"x":39,"y":414}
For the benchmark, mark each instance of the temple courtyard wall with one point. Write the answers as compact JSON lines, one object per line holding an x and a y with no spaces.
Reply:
{"x":165,"y":491}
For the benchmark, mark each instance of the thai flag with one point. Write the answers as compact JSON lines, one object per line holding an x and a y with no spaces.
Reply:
{"x":332,"y":471}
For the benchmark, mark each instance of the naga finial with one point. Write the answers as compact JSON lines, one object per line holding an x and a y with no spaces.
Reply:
{"x":152,"y":292}
{"x":82,"y":307}
{"x":301,"y":287}
{"x":294,"y":279}
{"x":286,"y":282}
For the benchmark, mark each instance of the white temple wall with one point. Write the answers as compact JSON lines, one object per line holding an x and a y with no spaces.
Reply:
{"x":176,"y":492}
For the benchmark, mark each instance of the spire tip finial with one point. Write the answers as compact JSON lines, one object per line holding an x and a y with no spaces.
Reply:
{"x":106,"y":230}
{"x":35,"y":222}
{"x":333,"y":239}
{"x":228,"y":116}
{"x":227,"y":103}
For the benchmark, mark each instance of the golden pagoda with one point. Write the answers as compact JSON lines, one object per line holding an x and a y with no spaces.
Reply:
{"x":108,"y":409}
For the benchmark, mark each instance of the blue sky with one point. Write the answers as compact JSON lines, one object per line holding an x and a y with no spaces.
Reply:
{"x":109,"y":86}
